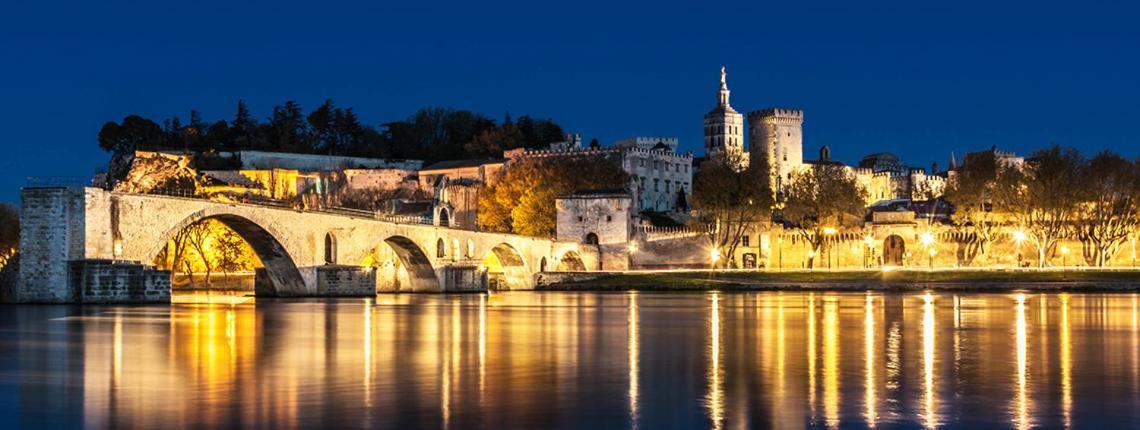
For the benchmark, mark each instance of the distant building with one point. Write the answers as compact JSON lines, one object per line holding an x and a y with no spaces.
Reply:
{"x":776,"y":134}
{"x":660,"y":178}
{"x":648,"y":142}
{"x":454,"y":186}
{"x":724,"y":127}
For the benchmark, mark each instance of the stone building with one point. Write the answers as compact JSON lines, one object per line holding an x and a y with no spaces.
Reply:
{"x":454,"y":186}
{"x":724,"y":126}
{"x":601,"y":222}
{"x":777,"y":135}
{"x":660,"y":178}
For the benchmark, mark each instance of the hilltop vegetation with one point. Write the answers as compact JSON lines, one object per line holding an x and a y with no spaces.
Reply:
{"x":430,"y":134}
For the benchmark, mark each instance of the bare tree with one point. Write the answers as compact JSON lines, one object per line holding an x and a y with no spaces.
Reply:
{"x":1108,"y":212}
{"x":729,"y":201}
{"x":1042,"y":196}
{"x":971,"y":192}
{"x":198,"y":237}
{"x":819,"y":198}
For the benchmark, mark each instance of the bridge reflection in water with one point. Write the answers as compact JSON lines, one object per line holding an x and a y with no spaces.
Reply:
{"x":537,"y":360}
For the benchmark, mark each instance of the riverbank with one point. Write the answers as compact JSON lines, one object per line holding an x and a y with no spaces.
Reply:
{"x":959,"y":280}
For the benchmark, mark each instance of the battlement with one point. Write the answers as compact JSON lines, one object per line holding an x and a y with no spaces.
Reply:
{"x":599,"y":151}
{"x":777,"y":113}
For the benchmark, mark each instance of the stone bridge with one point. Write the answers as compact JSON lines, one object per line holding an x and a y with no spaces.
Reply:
{"x":304,"y":253}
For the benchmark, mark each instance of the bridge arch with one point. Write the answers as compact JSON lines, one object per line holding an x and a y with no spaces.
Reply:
{"x":285,"y":278}
{"x":506,"y":268}
{"x":421,"y":274}
{"x":570,"y":261}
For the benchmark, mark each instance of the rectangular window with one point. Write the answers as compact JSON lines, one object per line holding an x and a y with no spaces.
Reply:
{"x":656,"y":185}
{"x":744,"y":240}
{"x":666,"y":186}
{"x":641,"y":162}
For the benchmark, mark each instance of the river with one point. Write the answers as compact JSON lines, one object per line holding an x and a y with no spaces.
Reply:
{"x":579,"y":360}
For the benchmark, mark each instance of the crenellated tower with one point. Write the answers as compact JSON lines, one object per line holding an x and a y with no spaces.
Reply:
{"x":724,"y":126}
{"x":777,"y":135}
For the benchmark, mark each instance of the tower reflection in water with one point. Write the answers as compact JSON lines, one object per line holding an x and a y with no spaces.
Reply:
{"x":539,"y":360}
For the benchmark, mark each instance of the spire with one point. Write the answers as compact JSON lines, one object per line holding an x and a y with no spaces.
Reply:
{"x":723,"y":88}
{"x":953,"y":162}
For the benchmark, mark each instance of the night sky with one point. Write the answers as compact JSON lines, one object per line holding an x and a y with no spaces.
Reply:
{"x":915,"y":78}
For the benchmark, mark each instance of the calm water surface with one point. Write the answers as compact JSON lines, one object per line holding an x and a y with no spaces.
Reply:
{"x":569,"y":360}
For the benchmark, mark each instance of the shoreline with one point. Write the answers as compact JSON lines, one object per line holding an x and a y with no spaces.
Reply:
{"x":902,"y":280}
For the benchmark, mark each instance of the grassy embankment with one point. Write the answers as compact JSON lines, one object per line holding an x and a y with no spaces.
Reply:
{"x":863,"y":279}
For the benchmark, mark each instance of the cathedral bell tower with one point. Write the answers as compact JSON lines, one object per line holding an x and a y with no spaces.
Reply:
{"x":724,"y":127}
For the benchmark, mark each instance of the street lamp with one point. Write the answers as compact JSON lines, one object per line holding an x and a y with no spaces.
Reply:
{"x":1019,"y":238}
{"x":828,"y":232}
{"x":811,"y":255}
{"x":1064,"y":256}
{"x":714,"y":256}
{"x":927,"y":239}
{"x":932,"y":253}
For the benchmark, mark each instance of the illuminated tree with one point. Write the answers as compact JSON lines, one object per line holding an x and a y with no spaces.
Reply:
{"x":1109,"y":208}
{"x":818,"y":201}
{"x":1042,"y":196}
{"x":728,"y":201}
{"x":971,"y":192}
{"x":231,"y":252}
{"x":522,"y":199}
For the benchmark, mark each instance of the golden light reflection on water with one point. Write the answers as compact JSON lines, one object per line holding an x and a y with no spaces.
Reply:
{"x":1021,"y":420}
{"x":869,"y":361}
{"x":522,"y":360}
{"x":831,"y":361}
{"x":715,"y":398}
{"x":634,"y":350}
{"x":929,"y":412}
{"x":1067,"y":363}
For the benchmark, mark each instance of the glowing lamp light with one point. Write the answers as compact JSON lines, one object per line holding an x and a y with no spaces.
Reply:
{"x":933,"y":252}
{"x":870,"y":241}
{"x":811,"y":253}
{"x":1019,"y":236}
{"x":714,"y":255}
{"x":927,"y":238}
{"x":829,"y":231}
{"x":1064,"y":250}
{"x":632,"y":247}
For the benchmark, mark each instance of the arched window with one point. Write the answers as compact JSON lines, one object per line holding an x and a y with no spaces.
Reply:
{"x":591,"y":239}
{"x":440,"y":248}
{"x":542,"y":265}
{"x":330,"y":249}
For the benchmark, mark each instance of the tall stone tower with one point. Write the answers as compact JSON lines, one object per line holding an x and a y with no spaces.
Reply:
{"x":778,"y":135}
{"x":724,"y":127}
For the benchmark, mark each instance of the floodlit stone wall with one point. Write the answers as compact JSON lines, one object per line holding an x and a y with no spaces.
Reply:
{"x":346,"y":281}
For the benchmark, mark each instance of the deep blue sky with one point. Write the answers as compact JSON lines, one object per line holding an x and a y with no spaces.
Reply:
{"x":916,"y":78}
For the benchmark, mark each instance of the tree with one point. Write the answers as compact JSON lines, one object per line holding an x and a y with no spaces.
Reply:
{"x":232,"y":252}
{"x":243,"y":129}
{"x":287,"y":130}
{"x":970,"y":191}
{"x":1042,"y":196}
{"x":9,"y":233}
{"x":133,"y":133}
{"x":729,"y":201}
{"x":1109,"y":206}
{"x":819,"y":201}
{"x":521,"y":199}
{"x":198,"y":239}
